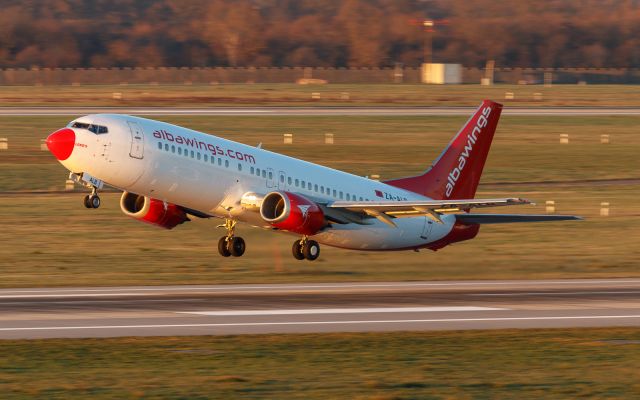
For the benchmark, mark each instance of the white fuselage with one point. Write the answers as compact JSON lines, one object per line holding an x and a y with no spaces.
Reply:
{"x":209,"y":174}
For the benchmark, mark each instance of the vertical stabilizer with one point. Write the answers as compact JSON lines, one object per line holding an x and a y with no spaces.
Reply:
{"x":455,"y":174}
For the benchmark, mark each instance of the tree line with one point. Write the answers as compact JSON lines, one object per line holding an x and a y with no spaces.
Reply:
{"x":331,"y":33}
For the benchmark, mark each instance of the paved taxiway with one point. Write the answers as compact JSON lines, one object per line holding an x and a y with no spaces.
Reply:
{"x":327,"y":307}
{"x":315,"y":111}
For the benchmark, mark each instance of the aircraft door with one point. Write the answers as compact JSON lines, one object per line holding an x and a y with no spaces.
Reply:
{"x":282,"y":180}
{"x":426,"y":230}
{"x":137,"y":140}
{"x":270,"y":178}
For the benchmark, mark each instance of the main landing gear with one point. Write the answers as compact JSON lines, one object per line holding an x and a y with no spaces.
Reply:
{"x":92,"y":200}
{"x":230,"y":245}
{"x":305,"y":249}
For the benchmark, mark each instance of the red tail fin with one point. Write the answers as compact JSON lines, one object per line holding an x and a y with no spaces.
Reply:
{"x":456,"y":173}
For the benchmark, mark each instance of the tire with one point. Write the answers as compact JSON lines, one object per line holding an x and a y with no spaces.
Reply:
{"x":236,"y":246}
{"x":95,"y":201}
{"x":296,"y":250}
{"x":87,"y":202}
{"x":222,"y":247}
{"x":311,"y":250}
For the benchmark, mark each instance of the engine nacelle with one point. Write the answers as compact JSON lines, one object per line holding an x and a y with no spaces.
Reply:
{"x":152,"y":211}
{"x":292,"y":212}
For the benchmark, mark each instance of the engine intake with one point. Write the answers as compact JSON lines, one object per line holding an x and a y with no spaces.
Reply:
{"x":292,"y":212}
{"x":152,"y":211}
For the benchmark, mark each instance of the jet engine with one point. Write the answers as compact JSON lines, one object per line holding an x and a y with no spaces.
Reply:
{"x":152,"y":211}
{"x":292,"y":212}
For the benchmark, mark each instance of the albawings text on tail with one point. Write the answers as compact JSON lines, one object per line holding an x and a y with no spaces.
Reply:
{"x":455,"y":173}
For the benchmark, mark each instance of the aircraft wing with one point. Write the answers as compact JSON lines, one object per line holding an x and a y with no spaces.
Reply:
{"x":509,"y":218}
{"x":386,"y":210}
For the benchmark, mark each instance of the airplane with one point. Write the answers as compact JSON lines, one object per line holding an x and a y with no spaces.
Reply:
{"x":169,"y":174}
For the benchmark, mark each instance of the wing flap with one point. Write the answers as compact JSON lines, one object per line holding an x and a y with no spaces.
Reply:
{"x":417,"y":207}
{"x":511,"y":218}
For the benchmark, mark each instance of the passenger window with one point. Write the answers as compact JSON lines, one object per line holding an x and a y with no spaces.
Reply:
{"x":226,"y":163}
{"x":213,"y":160}
{"x":198,"y":156}
{"x":297,"y":182}
{"x":220,"y":161}
{"x":302,"y":184}
{"x":348,"y":197}
{"x":193,"y":154}
{"x":315,"y":187}
{"x":206,"y":157}
{"x":360,"y":199}
{"x":180,"y":150}
{"x":289,"y":180}
{"x":239,"y":167}
{"x":166,"y":147}
{"x":160,"y":145}
{"x":341,"y":196}
{"x":252,"y":171}
{"x":281,"y":178}
{"x":264,"y":173}
{"x":334,"y":193}
{"x":173,"y":148}
{"x":270,"y":175}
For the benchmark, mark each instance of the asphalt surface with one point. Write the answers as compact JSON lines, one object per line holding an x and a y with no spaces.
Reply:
{"x":327,"y":307}
{"x":316,"y":111}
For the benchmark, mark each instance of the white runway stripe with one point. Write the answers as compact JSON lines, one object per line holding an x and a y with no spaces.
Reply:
{"x":353,"y":285}
{"x":308,"y":311}
{"x":52,"y":295}
{"x":392,"y":321}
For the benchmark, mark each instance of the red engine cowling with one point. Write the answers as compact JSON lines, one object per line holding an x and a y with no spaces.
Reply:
{"x":292,"y":212}
{"x":152,"y":211}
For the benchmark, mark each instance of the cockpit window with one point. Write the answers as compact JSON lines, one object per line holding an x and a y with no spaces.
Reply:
{"x":80,"y":125}
{"x":97,"y":129}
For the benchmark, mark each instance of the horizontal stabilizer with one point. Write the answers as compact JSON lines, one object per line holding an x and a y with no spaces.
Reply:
{"x":509,"y":218}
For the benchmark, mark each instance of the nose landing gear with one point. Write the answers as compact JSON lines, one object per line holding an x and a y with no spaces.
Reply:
{"x":305,"y":249}
{"x":231,"y":245}
{"x":92,"y":200}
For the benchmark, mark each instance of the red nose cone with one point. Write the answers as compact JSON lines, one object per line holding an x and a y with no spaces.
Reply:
{"x":61,"y":142}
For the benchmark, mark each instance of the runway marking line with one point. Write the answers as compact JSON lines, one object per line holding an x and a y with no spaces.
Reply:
{"x":33,"y":296}
{"x":308,"y":311}
{"x":393,"y":321}
{"x":553,"y":293}
{"x":230,"y":288}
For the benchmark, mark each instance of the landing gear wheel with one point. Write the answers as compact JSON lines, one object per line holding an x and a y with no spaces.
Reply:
{"x":311,"y":250}
{"x":87,"y":202}
{"x":222,"y":247}
{"x":236,"y":246}
{"x":296,"y":250}
{"x":94,"y":200}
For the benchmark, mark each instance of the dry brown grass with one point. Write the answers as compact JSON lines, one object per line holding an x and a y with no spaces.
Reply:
{"x":550,"y":364}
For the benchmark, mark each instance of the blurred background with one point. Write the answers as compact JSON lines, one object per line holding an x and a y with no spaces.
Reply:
{"x":261,"y":39}
{"x":329,"y":33}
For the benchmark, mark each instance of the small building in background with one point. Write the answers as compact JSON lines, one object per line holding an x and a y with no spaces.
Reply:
{"x":441,"y":74}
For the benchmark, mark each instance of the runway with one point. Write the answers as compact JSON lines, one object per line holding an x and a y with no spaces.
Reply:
{"x":326,"y":307}
{"x":315,"y":111}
